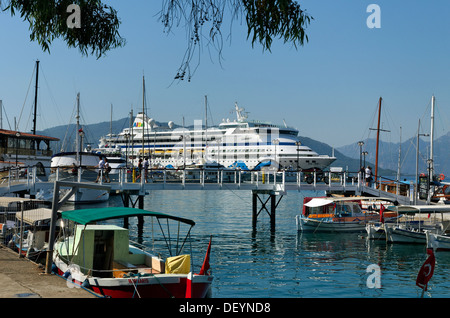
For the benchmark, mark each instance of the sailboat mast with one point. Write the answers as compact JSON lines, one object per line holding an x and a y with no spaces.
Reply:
{"x":432,"y":138}
{"x":143,"y":115}
{"x":35,"y":98}
{"x":77,"y":137}
{"x":206,"y":127}
{"x":110,"y":123}
{"x":378,"y":140}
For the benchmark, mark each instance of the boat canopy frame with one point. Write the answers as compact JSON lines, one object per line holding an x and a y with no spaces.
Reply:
{"x":91,"y":216}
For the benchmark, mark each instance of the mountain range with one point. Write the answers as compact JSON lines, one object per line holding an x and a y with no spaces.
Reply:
{"x":347,"y":156}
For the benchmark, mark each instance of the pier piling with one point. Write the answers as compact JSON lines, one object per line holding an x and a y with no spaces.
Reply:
{"x":273,"y":206}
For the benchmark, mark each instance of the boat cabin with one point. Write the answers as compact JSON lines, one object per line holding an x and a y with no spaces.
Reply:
{"x":325,"y":207}
{"x":22,"y":149}
{"x":104,"y":251}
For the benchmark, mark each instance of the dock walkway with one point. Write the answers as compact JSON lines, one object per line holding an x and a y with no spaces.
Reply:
{"x":21,"y":278}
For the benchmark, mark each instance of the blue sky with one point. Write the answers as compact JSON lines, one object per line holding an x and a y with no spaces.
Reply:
{"x":328,"y":89}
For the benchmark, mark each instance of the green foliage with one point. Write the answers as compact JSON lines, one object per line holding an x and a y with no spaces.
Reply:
{"x":267,"y":19}
{"x":99,"y":31}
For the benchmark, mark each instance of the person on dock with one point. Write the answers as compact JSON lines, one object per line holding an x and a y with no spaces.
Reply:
{"x":139,"y":170}
{"x":107,"y":170}
{"x":145,"y":166}
{"x":101,"y":168}
{"x":369,"y":176}
{"x":362,"y":174}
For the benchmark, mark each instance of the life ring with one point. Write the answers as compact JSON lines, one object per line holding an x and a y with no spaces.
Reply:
{"x":441,"y":176}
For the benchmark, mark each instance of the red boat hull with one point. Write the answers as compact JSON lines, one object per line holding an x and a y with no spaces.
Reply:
{"x":142,"y":287}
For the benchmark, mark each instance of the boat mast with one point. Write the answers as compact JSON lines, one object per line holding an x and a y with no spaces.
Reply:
{"x":184,"y":145}
{"x":77,"y":141}
{"x":399,"y":162}
{"x":378,"y":140}
{"x":206,"y":128}
{"x":35,"y":98}
{"x":431,"y":161}
{"x":143,"y":114}
{"x":432,"y":137}
{"x":110,"y":124}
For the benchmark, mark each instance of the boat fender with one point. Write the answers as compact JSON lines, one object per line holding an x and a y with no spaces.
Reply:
{"x":86,"y":284}
{"x":67,"y":274}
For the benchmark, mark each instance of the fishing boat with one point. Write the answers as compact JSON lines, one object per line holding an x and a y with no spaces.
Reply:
{"x":335,"y":214}
{"x":416,"y":221}
{"x":31,"y":232}
{"x":9,"y":207}
{"x":439,"y":242}
{"x":103,"y":258}
{"x":240,"y":141}
{"x":23,"y":150}
{"x":376,"y":230}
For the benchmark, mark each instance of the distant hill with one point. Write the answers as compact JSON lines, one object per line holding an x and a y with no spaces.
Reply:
{"x":389,"y":154}
{"x":94,"y":132}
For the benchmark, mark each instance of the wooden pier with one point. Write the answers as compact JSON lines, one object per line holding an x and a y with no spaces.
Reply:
{"x":273,"y":183}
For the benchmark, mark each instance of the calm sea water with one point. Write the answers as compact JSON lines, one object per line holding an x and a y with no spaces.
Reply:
{"x":258,"y":263}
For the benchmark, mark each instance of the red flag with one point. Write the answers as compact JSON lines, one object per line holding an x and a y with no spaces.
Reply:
{"x":426,"y":271}
{"x":382,"y":208}
{"x":205,"y":266}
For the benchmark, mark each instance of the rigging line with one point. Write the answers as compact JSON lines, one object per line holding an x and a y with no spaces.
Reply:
{"x":52,"y":98}
{"x":64,"y":144}
{"x":26,"y":96}
{"x":440,"y":117}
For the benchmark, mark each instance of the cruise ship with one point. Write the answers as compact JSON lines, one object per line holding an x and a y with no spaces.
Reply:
{"x":238,"y":143}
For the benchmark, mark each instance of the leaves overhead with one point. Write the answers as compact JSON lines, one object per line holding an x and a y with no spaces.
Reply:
{"x":266,"y":20}
{"x":99,"y":31}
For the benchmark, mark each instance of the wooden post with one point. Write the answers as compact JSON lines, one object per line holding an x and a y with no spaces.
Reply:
{"x":273,"y":208}
{"x":255,"y":208}
{"x":141,"y":218}
{"x":126,"y":203}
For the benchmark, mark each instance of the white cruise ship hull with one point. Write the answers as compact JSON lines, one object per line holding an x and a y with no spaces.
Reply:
{"x":240,"y":143}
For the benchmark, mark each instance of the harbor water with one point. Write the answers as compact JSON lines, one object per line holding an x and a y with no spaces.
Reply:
{"x":259,"y":263}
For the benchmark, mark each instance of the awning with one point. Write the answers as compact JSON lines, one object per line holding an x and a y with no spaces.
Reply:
{"x":35,"y":215}
{"x":86,"y":216}
{"x":413,"y":209}
{"x":318,"y":202}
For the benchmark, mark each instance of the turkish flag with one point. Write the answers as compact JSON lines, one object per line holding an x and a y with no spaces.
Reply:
{"x":205,"y":266}
{"x":426,"y":271}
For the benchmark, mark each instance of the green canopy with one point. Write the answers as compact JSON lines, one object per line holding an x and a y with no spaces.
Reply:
{"x":85,"y":216}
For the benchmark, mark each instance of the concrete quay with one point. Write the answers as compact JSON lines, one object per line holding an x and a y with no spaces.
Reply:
{"x":21,"y":278}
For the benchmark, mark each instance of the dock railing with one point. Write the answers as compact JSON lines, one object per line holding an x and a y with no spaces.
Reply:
{"x":15,"y":179}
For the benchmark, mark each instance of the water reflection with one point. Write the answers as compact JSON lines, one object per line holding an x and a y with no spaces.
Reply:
{"x":258,"y":262}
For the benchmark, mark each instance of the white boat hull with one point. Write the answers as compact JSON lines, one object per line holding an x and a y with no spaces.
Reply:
{"x":396,"y":234}
{"x":375,"y":231}
{"x":327,"y":225}
{"x":438,"y":242}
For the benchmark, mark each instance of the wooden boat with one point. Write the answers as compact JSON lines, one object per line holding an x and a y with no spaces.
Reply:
{"x":31,"y":232}
{"x":101,"y":257}
{"x":331,"y":214}
{"x":9,"y":206}
{"x":416,"y":220}
{"x":77,"y":166}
